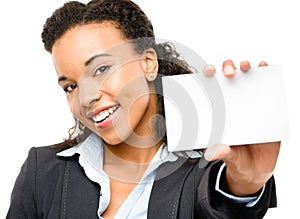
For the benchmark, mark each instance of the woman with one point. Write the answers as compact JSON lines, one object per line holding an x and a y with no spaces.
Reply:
{"x":116,"y":164}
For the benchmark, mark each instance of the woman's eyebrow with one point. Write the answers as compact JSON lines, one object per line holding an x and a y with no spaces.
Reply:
{"x":62,"y":78}
{"x":94,"y":57}
{"x":88,"y":62}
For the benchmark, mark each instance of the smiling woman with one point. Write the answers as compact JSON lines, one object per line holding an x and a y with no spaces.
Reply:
{"x":110,"y":94}
{"x":110,"y":67}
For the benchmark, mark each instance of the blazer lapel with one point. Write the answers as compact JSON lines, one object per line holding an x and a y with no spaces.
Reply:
{"x":80,"y":196}
{"x":167,"y":188}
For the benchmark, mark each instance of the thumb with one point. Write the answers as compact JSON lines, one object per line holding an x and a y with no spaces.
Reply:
{"x":218,"y":151}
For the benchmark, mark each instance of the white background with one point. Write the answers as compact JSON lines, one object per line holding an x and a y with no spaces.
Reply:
{"x":33,"y":108}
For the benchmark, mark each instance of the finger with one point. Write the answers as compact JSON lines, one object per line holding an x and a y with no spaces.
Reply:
{"x":218,"y":151}
{"x":229,"y":70}
{"x":245,"y":66}
{"x":209,"y":70}
{"x":262,"y":63}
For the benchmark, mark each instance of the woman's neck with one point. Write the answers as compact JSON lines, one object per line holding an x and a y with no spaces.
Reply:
{"x":125,"y":163}
{"x":134,"y":153}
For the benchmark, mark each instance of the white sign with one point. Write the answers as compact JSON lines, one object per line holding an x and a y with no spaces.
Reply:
{"x":203,"y":111}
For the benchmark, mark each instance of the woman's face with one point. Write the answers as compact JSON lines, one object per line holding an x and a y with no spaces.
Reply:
{"x":105,"y":81}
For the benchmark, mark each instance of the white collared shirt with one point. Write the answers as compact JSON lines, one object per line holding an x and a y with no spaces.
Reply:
{"x":91,"y":158}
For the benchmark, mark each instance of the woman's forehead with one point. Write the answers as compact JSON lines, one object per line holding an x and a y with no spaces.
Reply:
{"x":90,"y":36}
{"x":81,"y":43}
{"x":81,"y":46}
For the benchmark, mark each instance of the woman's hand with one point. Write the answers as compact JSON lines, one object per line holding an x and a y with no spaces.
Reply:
{"x":248,"y":167}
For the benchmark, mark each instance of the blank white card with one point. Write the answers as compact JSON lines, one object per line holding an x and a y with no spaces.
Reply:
{"x":203,"y":111}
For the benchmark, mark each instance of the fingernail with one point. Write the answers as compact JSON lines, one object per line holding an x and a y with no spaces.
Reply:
{"x":262,"y":63}
{"x":229,"y":69}
{"x":209,"y":70}
{"x":245,"y":66}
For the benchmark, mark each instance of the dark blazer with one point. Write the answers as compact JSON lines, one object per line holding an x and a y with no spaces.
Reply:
{"x":53,"y":187}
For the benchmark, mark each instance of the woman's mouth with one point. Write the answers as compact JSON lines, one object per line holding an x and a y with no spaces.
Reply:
{"x":103,"y":118}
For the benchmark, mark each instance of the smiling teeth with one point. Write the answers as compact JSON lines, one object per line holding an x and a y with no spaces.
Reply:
{"x":104,"y":114}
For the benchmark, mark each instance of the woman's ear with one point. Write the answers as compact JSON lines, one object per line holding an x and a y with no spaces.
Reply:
{"x":150,"y":64}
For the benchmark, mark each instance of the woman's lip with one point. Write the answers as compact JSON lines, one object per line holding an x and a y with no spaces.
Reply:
{"x":107,"y":122}
{"x":98,"y":110}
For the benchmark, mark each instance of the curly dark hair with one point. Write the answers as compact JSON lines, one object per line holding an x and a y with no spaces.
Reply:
{"x":133,"y":23}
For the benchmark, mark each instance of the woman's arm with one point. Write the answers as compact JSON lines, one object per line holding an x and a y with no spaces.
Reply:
{"x":23,"y":195}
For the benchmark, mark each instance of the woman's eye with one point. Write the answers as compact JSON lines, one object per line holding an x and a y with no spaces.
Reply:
{"x":101,"y":70}
{"x":69,"y":88}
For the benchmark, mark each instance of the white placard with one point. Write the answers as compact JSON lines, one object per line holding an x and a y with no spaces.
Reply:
{"x":202,"y":111}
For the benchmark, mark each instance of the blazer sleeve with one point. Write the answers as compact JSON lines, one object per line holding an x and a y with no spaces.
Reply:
{"x":22,"y":203}
{"x":214,"y":205}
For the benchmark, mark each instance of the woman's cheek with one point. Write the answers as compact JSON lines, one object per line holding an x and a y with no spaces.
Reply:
{"x":72,"y":102}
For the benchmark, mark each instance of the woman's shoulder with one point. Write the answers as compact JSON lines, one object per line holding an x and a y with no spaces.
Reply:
{"x":52,"y":148}
{"x":45,"y":155}
{"x":45,"y":165}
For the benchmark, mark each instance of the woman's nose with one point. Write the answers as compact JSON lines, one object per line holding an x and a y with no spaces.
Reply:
{"x":88,"y":92}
